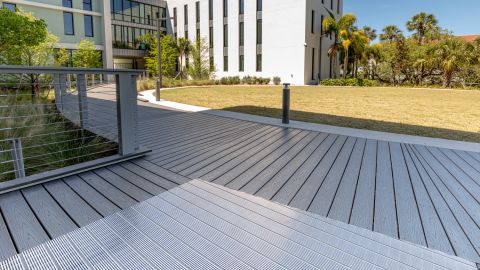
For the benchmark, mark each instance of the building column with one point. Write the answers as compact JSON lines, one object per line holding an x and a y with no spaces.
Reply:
{"x":107,"y":35}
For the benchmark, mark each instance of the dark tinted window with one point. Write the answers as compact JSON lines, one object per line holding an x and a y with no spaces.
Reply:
{"x":67,"y":3}
{"x":197,"y":11}
{"x":185,"y":12}
{"x":9,"y":6}
{"x":87,"y":5}
{"x":259,"y":31}
{"x":68,"y":23}
{"x":225,"y":35}
{"x":241,"y":6}
{"x":210,"y":9}
{"x":259,"y":62}
{"x":259,"y":5}
{"x":225,"y":63}
{"x":225,"y":8}
{"x":241,"y":34}
{"x":88,"y":22}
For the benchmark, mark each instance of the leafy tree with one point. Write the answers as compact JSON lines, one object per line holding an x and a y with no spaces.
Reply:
{"x":19,"y":30}
{"x":169,"y":55}
{"x":424,"y":24}
{"x":86,"y":55}
{"x":391,"y":33}
{"x":333,"y":26}
{"x":200,"y":67}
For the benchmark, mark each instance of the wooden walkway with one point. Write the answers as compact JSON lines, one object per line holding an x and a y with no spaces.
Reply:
{"x":424,"y":195}
{"x":199,"y":225}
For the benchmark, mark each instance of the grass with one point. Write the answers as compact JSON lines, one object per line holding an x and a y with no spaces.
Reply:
{"x":449,"y":114}
{"x":49,"y":140}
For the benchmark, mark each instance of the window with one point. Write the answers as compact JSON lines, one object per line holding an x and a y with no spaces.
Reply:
{"x":141,"y":7}
{"x":313,"y":63}
{"x":241,"y":6}
{"x":241,"y":31}
{"x":68,"y":23}
{"x":186,"y":34}
{"x":185,"y":12}
{"x":67,"y":3}
{"x":164,"y":15}
{"x":331,"y":4}
{"x":225,"y":63}
{"x":197,"y":11}
{"x":87,"y":5}
{"x":259,"y":31}
{"x":175,"y":17}
{"x":148,"y":15}
{"x":225,"y":35}
{"x":127,"y":10}
{"x":88,"y":24}
{"x":321,"y":26}
{"x":210,"y":37}
{"x":241,"y":63}
{"x":259,"y":5}
{"x":212,"y":64}
{"x":312,"y":26}
{"x":259,"y":62}
{"x":210,"y":10}
{"x":338,"y":6}
{"x":197,"y":38}
{"x":225,"y":8}
{"x":135,"y":12}
{"x":9,"y":6}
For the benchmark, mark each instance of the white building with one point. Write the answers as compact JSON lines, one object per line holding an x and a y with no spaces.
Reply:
{"x":264,"y":38}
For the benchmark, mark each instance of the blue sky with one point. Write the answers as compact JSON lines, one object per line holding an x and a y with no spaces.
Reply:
{"x":460,"y":16}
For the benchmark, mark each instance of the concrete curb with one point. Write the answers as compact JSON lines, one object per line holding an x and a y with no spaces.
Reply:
{"x":360,"y":133}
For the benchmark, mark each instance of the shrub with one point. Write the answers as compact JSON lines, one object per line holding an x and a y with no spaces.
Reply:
{"x":266,"y":80}
{"x":349,"y":82}
{"x":248,"y":80}
{"x":277,"y":80}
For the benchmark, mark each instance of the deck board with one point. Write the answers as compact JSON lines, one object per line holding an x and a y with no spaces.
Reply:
{"x":425,"y":195}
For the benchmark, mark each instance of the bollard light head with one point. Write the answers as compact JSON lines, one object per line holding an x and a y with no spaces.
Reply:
{"x":286,"y":85}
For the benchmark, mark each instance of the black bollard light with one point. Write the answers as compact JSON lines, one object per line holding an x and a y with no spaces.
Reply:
{"x":286,"y":104}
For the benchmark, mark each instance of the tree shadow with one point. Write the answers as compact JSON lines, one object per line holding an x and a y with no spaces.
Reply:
{"x":359,"y":123}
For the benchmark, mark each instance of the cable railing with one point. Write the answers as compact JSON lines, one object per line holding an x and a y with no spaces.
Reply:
{"x":56,"y":118}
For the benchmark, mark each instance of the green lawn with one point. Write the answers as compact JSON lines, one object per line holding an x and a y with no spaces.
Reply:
{"x":450,"y":114}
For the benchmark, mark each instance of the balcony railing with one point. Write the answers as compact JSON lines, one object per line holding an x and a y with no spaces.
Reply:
{"x":57,"y":121}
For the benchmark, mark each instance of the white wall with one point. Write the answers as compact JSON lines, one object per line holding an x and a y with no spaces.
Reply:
{"x":286,"y":31}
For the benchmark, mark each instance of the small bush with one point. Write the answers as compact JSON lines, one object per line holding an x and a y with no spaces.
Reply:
{"x":277,"y":80}
{"x":349,"y":82}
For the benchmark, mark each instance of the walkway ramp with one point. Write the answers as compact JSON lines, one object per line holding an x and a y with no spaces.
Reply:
{"x":200,"y":225}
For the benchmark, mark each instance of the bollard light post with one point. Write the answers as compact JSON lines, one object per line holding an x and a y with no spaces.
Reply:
{"x":286,"y":104}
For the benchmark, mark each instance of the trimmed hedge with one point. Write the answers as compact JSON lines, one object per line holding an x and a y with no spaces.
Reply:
{"x":349,"y":82}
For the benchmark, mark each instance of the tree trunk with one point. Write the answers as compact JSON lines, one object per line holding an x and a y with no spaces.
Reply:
{"x":447,"y":78}
{"x":345,"y":64}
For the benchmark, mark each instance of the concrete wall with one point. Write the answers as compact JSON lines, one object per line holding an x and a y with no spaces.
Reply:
{"x":287,"y":40}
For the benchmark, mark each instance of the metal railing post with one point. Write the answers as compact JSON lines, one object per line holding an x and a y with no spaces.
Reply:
{"x":17,"y":155}
{"x":57,"y":91}
{"x":286,"y":104}
{"x":126,"y":85}
{"x":82,"y":100}
{"x":63,"y":89}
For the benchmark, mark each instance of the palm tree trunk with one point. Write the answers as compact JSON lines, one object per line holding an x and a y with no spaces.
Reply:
{"x":345,"y":64}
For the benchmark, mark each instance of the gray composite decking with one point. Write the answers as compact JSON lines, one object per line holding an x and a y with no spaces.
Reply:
{"x":200,"y":225}
{"x":425,"y":195}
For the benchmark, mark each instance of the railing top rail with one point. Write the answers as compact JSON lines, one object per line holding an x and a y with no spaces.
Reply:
{"x":65,"y":70}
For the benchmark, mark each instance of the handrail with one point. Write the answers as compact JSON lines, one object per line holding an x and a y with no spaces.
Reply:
{"x":65,"y":70}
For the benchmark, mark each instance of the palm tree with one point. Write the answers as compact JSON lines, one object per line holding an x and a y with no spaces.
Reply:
{"x":424,"y":24}
{"x":370,"y":33}
{"x":390,"y":33}
{"x":332,"y":26}
{"x":355,"y":39}
{"x":451,"y":54}
{"x":184,"y":47}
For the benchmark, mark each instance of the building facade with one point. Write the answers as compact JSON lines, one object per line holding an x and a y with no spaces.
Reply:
{"x":265,"y":38}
